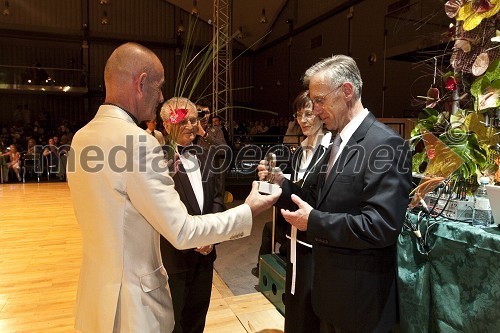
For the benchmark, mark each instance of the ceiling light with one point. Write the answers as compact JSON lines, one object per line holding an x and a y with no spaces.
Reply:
{"x":103,"y":2}
{"x":104,"y":18}
{"x":180,"y":28}
{"x":6,"y":8}
{"x":263,"y":18}
{"x":194,"y":11}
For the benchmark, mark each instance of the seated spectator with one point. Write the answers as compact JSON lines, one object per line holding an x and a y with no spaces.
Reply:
{"x":51,"y":154}
{"x":240,"y":132}
{"x":31,"y":158}
{"x":30,"y":149}
{"x":274,"y":132}
{"x":257,"y":128}
{"x":62,"y":152}
{"x":12,"y":163}
{"x":293,"y":133}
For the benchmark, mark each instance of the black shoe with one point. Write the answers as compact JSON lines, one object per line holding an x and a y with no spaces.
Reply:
{"x":255,"y":271}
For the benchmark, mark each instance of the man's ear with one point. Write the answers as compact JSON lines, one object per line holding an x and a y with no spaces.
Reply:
{"x":142,"y":79}
{"x":348,"y":90}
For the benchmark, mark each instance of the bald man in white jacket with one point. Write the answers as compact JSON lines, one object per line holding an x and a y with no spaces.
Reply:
{"x":123,"y":198}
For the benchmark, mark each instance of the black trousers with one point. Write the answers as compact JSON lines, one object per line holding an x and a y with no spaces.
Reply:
{"x":299,"y":314}
{"x":191,"y":292}
{"x":326,"y":327}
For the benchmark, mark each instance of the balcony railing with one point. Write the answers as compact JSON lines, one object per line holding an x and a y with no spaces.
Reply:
{"x":43,"y":79}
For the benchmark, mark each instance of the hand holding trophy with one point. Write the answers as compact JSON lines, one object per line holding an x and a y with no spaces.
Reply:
{"x":267,"y":185}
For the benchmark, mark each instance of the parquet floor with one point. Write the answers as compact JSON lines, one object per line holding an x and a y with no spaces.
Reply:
{"x":40,"y":256}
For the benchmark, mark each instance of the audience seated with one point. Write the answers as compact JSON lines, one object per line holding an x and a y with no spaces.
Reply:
{"x":51,"y":158}
{"x":31,"y":160}
{"x":11,"y":162}
{"x":50,"y":136}
{"x":63,"y":151}
{"x":30,"y":149}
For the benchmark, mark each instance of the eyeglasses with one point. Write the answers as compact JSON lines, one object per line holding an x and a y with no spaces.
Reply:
{"x":320,"y":100}
{"x":305,"y":115}
{"x":193,"y":121}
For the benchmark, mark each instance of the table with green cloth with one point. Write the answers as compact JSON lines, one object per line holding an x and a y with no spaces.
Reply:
{"x":450,"y":283}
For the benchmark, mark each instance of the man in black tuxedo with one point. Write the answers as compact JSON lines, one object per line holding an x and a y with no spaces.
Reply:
{"x":355,"y":212}
{"x":190,"y":271}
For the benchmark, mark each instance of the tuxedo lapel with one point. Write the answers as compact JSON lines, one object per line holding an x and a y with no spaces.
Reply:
{"x":297,"y":157}
{"x":316,"y":161}
{"x":318,"y":155}
{"x":208,"y":189}
{"x":185,"y":186}
{"x":205,"y":167}
{"x":350,"y":150}
{"x":337,"y":169}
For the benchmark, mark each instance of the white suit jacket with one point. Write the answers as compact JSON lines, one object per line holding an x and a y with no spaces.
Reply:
{"x":123,"y":198}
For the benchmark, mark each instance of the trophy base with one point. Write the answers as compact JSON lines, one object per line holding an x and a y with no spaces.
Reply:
{"x":267,"y":188}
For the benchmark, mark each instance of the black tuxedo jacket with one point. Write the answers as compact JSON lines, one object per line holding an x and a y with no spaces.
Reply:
{"x":309,"y":181}
{"x":176,"y":261}
{"x":359,"y":213}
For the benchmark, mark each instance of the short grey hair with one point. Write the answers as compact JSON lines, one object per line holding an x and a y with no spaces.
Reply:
{"x":337,"y":69}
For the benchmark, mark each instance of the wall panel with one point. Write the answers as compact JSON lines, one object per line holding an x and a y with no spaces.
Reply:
{"x":54,"y":16}
{"x":146,"y":20}
{"x":51,"y":32}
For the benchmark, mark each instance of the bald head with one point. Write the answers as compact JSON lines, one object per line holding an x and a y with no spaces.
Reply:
{"x":126,"y":62}
{"x":133,"y":76}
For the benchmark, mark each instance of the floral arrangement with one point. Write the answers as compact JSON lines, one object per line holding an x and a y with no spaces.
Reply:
{"x":459,"y":125}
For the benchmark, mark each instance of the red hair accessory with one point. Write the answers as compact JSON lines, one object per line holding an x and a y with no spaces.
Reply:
{"x":177,"y":115}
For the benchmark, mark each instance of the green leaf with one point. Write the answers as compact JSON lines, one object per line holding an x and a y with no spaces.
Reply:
{"x":417,"y":161}
{"x":428,"y":112}
{"x":493,"y":71}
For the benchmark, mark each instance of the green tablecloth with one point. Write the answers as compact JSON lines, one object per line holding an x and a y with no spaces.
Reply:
{"x":455,"y":287}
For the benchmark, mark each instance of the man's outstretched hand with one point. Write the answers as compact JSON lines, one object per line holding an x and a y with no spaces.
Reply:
{"x":299,"y":217}
{"x":260,"y":202}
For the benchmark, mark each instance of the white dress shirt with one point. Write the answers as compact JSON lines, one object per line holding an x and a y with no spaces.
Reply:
{"x":192,"y":167}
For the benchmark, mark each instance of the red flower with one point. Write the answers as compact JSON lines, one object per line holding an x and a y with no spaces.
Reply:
{"x":451,"y":83}
{"x":177,"y":115}
{"x":482,"y":6}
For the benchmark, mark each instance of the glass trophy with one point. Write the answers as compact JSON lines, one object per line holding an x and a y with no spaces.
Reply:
{"x":266,"y":186}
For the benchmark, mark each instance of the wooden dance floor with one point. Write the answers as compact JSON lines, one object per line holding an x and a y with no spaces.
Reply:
{"x":40,"y":257}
